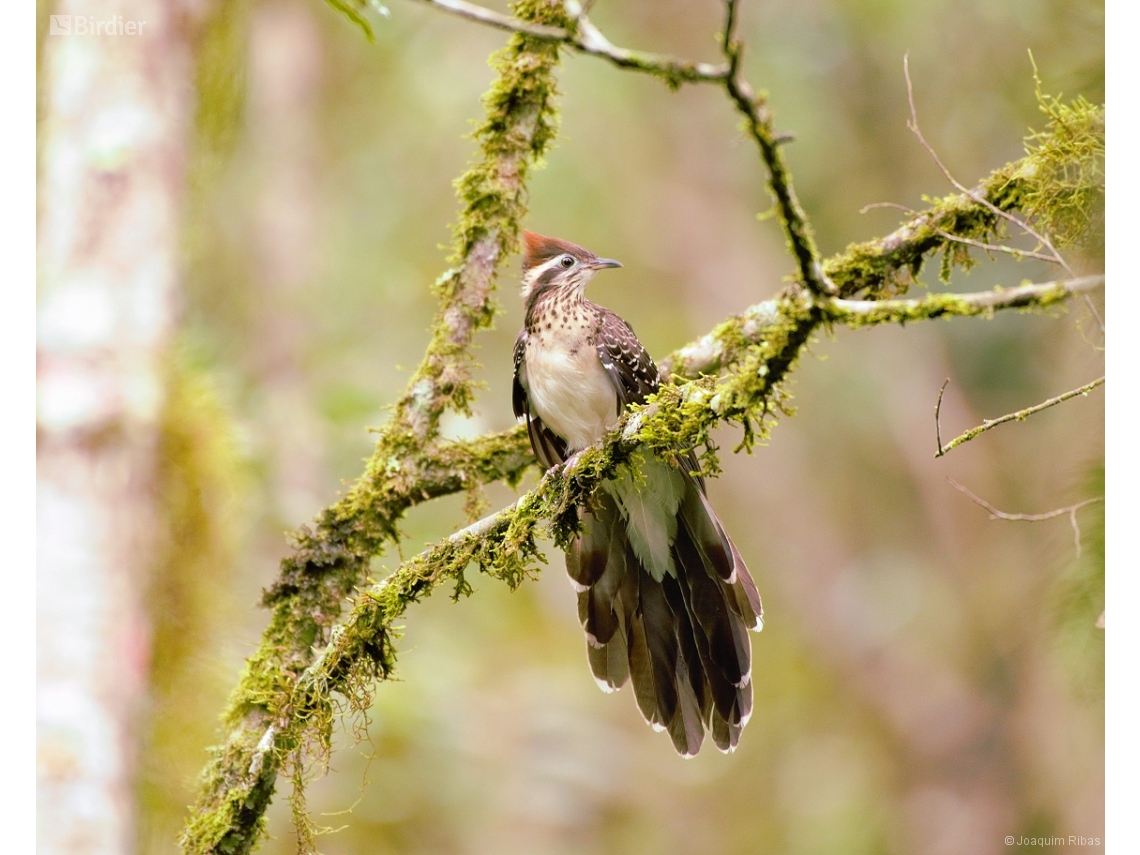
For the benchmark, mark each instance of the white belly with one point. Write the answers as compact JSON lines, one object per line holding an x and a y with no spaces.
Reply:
{"x":570,"y":392}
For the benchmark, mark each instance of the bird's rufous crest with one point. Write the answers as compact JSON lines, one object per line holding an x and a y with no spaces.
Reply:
{"x":539,"y":248}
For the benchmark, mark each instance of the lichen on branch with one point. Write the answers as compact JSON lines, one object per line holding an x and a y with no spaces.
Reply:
{"x":1059,"y":184}
{"x":283,"y":707}
{"x":409,"y":464}
{"x":756,"y":356}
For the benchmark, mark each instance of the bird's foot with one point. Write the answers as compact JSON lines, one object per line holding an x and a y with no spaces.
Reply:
{"x":571,"y":462}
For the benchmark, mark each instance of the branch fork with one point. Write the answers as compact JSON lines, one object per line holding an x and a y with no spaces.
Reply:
{"x":734,"y":373}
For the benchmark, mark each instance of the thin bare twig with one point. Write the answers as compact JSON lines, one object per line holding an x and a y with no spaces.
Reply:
{"x":491,"y":18}
{"x":895,"y":205}
{"x":995,"y":514}
{"x":588,"y":39}
{"x":1092,"y":310}
{"x":912,"y":124}
{"x":995,"y":247}
{"x":938,"y":416}
{"x":1020,"y":415}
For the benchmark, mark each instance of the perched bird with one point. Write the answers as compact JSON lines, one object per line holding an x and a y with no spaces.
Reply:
{"x":663,"y":594}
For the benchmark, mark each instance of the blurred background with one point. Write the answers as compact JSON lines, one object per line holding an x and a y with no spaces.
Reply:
{"x":927,"y":681}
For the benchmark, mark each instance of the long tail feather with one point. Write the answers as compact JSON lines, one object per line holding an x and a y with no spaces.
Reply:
{"x":707,"y":603}
{"x":698,"y":680}
{"x":728,"y":700}
{"x":661,"y":640}
{"x":707,"y":535}
{"x":682,"y":641}
{"x":586,"y":560}
{"x":610,"y":662}
{"x":746,"y":599}
{"x":641,"y":673}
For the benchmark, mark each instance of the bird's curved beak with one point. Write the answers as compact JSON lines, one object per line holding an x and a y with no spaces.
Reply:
{"x":602,"y":263}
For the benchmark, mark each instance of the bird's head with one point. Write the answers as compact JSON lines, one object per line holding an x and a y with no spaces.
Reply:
{"x":550,"y":263}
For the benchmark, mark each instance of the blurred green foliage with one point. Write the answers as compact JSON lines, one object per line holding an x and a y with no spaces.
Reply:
{"x":1078,"y":598}
{"x":200,"y":485}
{"x":928,"y":680}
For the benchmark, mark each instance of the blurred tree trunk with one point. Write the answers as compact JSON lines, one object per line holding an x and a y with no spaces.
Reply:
{"x":112,"y":172}
{"x":284,"y":89}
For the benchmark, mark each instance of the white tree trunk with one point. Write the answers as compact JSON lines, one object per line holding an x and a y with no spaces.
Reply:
{"x":113,"y":159}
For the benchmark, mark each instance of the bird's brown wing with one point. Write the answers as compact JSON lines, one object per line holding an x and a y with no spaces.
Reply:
{"x":627,"y":363}
{"x":633,"y":373}
{"x":518,"y":390}
{"x":549,"y":448}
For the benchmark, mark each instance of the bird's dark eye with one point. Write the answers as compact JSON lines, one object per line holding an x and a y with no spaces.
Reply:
{"x":567,"y":261}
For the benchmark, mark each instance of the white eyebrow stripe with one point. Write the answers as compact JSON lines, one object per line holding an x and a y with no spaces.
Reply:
{"x":534,"y":273}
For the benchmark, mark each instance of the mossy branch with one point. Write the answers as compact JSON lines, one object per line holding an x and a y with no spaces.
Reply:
{"x":1059,"y":184}
{"x":758,"y":350}
{"x":284,"y":701}
{"x":1060,"y":181}
{"x":758,"y":122}
{"x":1019,"y":416}
{"x":330,"y":560}
{"x":1040,"y":295}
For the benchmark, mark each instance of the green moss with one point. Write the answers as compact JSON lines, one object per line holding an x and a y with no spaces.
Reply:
{"x":1058,"y":186}
{"x":1064,"y":190}
{"x":331,"y":558}
{"x":299,"y":695}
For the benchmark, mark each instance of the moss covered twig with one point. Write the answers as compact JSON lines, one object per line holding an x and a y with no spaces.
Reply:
{"x":284,"y":700}
{"x":758,"y":123}
{"x":504,"y":545}
{"x":723,"y":345}
{"x":1060,"y":179}
{"x":1033,"y":295}
{"x":332,"y":559}
{"x":916,"y":129}
{"x":1019,"y":416}
{"x":1059,"y":184}
{"x":888,"y":265}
